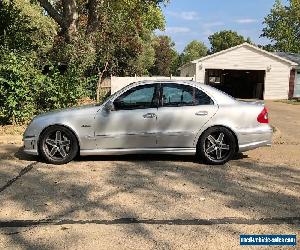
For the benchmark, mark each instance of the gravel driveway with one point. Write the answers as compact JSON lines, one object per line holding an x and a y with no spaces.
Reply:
{"x":151,"y":202}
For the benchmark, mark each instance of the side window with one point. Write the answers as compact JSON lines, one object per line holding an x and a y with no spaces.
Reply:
{"x":139,"y":97}
{"x":175,"y":95}
{"x":201,"y":98}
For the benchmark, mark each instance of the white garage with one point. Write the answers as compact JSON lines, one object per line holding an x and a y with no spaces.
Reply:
{"x":246,"y":71}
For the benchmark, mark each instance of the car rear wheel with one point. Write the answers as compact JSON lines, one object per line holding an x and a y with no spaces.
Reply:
{"x":217,"y":145}
{"x":58,"y":145}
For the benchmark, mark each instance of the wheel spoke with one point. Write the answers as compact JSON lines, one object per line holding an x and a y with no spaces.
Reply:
{"x":62,"y":151}
{"x":65,"y":143}
{"x":53,"y":150}
{"x":58,"y":136}
{"x":211,"y":139}
{"x":50,"y":142}
{"x":210,"y":149}
{"x":225,"y":147}
{"x":219,"y":153}
{"x":220,"y":138}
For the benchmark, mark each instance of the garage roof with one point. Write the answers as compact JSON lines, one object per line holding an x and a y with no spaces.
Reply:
{"x":249,"y":46}
{"x":289,"y":56}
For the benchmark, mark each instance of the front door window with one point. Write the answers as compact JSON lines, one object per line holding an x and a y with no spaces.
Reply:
{"x":141,"y":97}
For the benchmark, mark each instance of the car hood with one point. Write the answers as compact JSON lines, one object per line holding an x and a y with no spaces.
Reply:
{"x":85,"y":109}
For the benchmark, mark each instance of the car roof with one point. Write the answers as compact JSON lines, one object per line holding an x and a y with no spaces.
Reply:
{"x":167,"y":81}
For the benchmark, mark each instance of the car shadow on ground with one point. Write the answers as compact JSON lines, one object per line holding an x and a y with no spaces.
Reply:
{"x":150,"y":157}
{"x":19,"y":154}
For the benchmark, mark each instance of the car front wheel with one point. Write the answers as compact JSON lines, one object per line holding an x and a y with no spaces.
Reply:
{"x":217,"y":145}
{"x":58,"y":145}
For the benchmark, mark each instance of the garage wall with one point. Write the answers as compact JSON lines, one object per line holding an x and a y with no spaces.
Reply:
{"x":248,"y":58}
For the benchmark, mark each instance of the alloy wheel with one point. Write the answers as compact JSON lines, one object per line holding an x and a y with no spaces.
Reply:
{"x":57,"y":145}
{"x":216,"y":146}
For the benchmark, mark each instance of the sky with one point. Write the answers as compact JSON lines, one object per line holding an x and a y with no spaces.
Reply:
{"x":188,"y":20}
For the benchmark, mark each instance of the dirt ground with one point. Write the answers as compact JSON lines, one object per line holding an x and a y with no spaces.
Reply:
{"x":152,"y":202}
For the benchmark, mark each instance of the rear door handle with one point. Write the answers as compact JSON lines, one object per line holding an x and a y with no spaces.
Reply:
{"x":149,"y":115}
{"x":201,"y":113}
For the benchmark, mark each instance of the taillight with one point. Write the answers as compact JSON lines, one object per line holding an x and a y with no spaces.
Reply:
{"x":263,"y":117}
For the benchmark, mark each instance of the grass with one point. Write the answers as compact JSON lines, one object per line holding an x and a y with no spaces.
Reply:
{"x":292,"y":101}
{"x":12,"y":130}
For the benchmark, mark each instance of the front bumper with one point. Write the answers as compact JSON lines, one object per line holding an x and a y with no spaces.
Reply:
{"x":253,"y":138}
{"x":30,"y":145}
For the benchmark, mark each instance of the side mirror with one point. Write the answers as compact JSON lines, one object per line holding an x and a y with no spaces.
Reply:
{"x":109,"y":106}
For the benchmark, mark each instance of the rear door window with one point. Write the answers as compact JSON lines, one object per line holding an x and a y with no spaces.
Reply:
{"x":178,"y":95}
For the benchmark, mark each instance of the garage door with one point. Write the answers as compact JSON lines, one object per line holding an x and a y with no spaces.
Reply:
{"x":244,"y":84}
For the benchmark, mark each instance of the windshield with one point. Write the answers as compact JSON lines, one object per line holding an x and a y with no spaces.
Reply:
{"x":106,"y":97}
{"x":109,"y":95}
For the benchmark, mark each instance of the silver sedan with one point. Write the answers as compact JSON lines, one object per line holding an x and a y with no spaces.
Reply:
{"x":169,"y":117}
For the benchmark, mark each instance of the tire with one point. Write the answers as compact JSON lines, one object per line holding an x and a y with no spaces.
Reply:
{"x":58,"y":145}
{"x":217,"y":145}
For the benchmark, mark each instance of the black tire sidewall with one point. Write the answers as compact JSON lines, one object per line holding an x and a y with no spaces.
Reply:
{"x":231,"y":141}
{"x":73,"y":145}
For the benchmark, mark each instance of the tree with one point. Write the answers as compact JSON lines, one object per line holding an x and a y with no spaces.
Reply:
{"x":165,"y":56}
{"x":267,"y":47}
{"x":194,"y":50}
{"x":54,"y":52}
{"x":225,"y":39}
{"x":145,"y":59}
{"x":24,"y":28}
{"x":282,"y":26}
{"x":177,"y":62}
{"x":73,"y":15}
{"x":116,"y":31}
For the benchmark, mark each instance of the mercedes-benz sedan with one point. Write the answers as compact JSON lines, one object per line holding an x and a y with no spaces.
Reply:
{"x":170,"y":117}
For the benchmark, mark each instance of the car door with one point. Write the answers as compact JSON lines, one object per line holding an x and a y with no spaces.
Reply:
{"x":132,"y":122}
{"x":183,"y":110}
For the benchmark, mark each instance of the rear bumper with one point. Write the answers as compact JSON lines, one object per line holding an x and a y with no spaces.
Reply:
{"x":253,"y":138}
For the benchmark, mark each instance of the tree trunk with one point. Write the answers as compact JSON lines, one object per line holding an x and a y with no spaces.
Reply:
{"x":95,"y":7}
{"x":52,"y":12}
{"x":92,"y":16}
{"x":67,"y":20}
{"x":98,"y":88}
{"x":70,"y":14}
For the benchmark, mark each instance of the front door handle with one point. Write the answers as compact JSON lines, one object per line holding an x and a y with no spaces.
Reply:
{"x":201,"y":113}
{"x":149,"y":115}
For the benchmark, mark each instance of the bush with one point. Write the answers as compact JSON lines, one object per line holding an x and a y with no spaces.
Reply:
{"x":25,"y":91}
{"x":18,"y":81}
{"x":61,"y":90}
